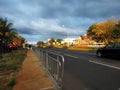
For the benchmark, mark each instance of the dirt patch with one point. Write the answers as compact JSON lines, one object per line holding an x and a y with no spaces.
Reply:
{"x":32,"y":76}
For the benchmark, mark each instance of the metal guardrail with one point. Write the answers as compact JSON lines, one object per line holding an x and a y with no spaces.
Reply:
{"x":54,"y":65}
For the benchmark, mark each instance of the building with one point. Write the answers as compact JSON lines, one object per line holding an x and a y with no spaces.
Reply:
{"x":84,"y":40}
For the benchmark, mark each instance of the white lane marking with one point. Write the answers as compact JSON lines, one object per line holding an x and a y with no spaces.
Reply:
{"x":48,"y":88}
{"x":110,"y":66}
{"x":71,"y":56}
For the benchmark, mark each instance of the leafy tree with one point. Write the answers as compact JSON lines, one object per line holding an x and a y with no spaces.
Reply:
{"x":40,"y":43}
{"x":6,"y":30}
{"x":102,"y":31}
{"x":22,"y":39}
{"x":116,"y":31}
{"x":109,"y":26}
{"x":8,"y":34}
{"x":51,"y":41}
{"x":59,"y":40}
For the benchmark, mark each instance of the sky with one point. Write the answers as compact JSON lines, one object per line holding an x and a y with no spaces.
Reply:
{"x":39,"y":20}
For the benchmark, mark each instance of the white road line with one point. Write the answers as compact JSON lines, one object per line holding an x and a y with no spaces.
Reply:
{"x":70,"y":56}
{"x":110,"y":66}
{"x":48,"y":88}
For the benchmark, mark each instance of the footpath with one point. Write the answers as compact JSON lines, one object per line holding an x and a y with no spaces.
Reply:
{"x":32,"y":76}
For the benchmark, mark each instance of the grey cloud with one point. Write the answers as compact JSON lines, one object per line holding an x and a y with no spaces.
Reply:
{"x":73,"y":14}
{"x":78,"y":8}
{"x":65,"y":8}
{"x":61,"y":35}
{"x":28,"y":31}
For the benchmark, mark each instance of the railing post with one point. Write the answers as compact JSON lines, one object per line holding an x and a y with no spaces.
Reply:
{"x":54,"y":64}
{"x":57,"y":68}
{"x":46,"y":61}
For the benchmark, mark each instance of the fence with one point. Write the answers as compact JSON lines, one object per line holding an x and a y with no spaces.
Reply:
{"x":53,"y":64}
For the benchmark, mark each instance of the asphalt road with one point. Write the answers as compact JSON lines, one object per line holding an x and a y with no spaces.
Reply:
{"x":84,"y":71}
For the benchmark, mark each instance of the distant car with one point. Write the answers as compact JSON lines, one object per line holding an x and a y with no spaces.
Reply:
{"x":111,"y":50}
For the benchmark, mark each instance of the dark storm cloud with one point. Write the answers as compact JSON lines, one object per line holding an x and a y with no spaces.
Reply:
{"x":64,"y":8}
{"x":43,"y":19}
{"x":77,"y":8}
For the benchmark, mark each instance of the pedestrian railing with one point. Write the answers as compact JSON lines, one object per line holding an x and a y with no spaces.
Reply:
{"x":54,"y":65}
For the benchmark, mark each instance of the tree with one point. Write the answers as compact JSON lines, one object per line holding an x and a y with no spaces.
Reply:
{"x":59,"y":40}
{"x":40,"y":43}
{"x":109,"y":26}
{"x":6,"y":30}
{"x":102,"y":31}
{"x":51,"y":41}
{"x":8,"y":35}
{"x":116,"y":31}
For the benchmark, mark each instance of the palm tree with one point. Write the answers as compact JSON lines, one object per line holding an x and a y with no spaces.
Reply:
{"x":6,"y":32}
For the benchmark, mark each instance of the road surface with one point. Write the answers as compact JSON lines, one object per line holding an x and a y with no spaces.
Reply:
{"x":84,"y":71}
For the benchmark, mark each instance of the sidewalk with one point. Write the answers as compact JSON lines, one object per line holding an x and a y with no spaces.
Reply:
{"x":32,"y":76}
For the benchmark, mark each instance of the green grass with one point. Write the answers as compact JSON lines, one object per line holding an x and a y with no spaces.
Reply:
{"x":14,"y":60}
{"x":9,"y":66}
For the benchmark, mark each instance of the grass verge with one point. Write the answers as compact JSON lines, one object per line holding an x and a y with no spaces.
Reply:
{"x":9,"y":66}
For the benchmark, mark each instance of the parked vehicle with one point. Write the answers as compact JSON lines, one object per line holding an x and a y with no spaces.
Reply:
{"x":111,"y":50}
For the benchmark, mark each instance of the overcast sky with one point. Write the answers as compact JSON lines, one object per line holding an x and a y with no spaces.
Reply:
{"x":42,"y":19}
